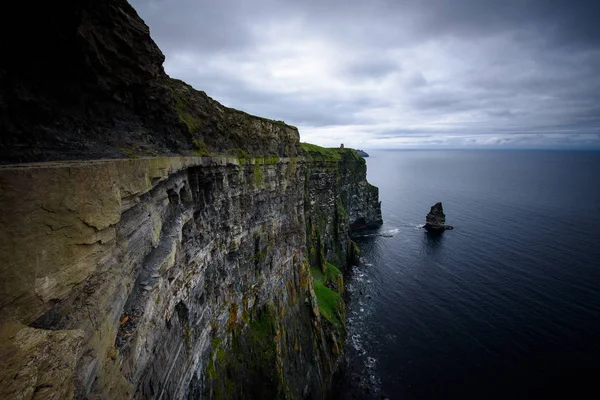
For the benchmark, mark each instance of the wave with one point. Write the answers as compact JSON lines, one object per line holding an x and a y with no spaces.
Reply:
{"x":388,"y":233}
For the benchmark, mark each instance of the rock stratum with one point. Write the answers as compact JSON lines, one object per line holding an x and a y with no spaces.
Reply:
{"x":206,"y":264}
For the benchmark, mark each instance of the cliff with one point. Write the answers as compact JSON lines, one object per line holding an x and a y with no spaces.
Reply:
{"x":211,"y":273}
{"x":169,"y":277}
{"x":87,"y":82}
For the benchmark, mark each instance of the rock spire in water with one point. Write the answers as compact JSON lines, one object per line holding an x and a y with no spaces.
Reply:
{"x":436,"y":219}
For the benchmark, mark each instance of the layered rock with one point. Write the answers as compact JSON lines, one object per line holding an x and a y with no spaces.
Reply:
{"x":174,"y":277}
{"x":209,"y":274}
{"x":436,"y":219}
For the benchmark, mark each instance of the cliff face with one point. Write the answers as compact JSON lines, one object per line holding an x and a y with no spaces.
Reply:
{"x":211,"y":274}
{"x":174,"y":276}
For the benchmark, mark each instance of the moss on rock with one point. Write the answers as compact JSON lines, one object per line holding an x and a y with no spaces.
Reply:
{"x":331,"y":305}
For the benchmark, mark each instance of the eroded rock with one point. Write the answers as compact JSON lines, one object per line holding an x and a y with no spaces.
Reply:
{"x":436,"y":219}
{"x":207,"y":269}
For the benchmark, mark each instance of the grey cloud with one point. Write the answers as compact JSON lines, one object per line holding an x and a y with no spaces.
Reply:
{"x":501,"y":113}
{"x":322,"y":110}
{"x":502,"y":71}
{"x":372,"y":66}
{"x":178,"y":25}
{"x":416,"y":80}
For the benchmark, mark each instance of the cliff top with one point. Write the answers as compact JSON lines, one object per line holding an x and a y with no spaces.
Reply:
{"x":331,"y":154}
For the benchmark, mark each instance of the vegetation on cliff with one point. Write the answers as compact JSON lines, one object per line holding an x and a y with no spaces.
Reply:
{"x":331,"y":303}
{"x":332,"y":154}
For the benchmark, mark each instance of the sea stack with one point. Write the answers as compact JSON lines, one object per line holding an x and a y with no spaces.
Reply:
{"x":436,"y":220}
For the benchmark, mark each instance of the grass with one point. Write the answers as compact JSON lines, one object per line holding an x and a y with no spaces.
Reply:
{"x":318,"y":153}
{"x":314,"y":152}
{"x":317,"y":275}
{"x":201,"y":150}
{"x":189,"y":120}
{"x":330,"y":301}
{"x":330,"y":304}
{"x":242,"y":155}
{"x":332,"y":273}
{"x":271,"y":160}
{"x":257,"y":173}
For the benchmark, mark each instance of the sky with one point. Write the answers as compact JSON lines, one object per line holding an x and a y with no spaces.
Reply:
{"x":395,"y":73}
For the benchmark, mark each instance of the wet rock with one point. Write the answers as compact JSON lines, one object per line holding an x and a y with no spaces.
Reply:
{"x":436,"y":219}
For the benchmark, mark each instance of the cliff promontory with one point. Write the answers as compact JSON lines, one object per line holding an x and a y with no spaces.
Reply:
{"x":162,"y":246}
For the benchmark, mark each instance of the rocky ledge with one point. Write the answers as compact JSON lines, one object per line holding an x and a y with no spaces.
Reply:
{"x":436,"y":219}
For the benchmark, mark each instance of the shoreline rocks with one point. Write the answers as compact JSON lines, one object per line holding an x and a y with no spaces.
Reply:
{"x":436,"y":219}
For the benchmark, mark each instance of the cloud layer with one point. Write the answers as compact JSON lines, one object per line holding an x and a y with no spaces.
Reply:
{"x":403,"y":73}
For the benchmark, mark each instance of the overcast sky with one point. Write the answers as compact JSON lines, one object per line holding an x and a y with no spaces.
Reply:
{"x":395,"y":73}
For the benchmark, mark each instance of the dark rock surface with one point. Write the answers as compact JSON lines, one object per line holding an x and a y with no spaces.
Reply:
{"x":86,"y":81}
{"x":436,"y":219}
{"x":362,"y":153}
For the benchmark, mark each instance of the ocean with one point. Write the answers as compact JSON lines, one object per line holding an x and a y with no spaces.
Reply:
{"x":506,"y":305}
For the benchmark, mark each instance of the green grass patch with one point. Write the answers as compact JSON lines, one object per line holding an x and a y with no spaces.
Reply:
{"x":317,"y":275}
{"x":257,"y":175}
{"x":332,"y":273}
{"x":271,"y":160}
{"x":314,"y":152}
{"x":242,"y":156}
{"x":330,"y":304}
{"x":200,"y":149}
{"x":353,"y":154}
{"x":192,"y":123}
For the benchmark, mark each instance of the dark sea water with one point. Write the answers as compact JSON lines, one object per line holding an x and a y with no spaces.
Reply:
{"x":507,"y":305}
